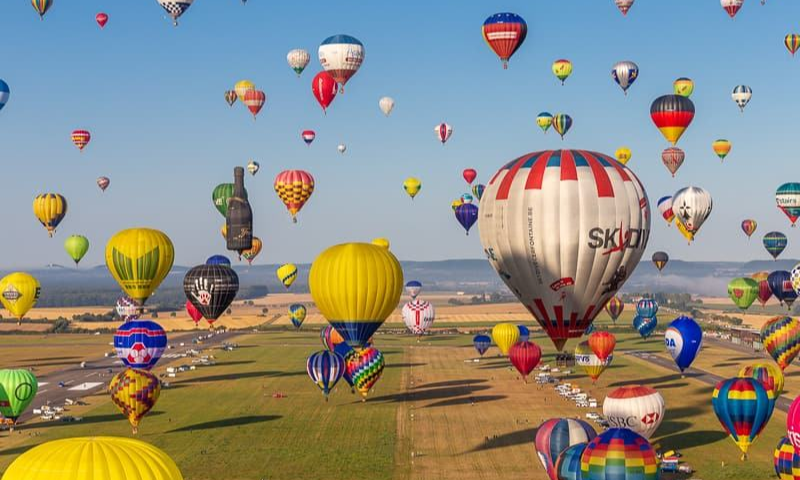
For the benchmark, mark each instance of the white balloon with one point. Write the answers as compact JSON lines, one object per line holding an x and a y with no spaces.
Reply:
{"x":342,"y":148}
{"x":636,"y":407}
{"x":418,"y":315}
{"x":341,"y":56}
{"x":175,"y":8}
{"x":624,"y":5}
{"x":387,"y":105}
{"x":253,"y":167}
{"x":691,"y":206}
{"x":741,"y":95}
{"x":443,"y":132}
{"x":298,"y":60}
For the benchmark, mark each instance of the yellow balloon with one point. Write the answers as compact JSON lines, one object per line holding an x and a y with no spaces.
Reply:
{"x":356,"y":286}
{"x":681,"y":228}
{"x":224,"y":231}
{"x":456,"y":203}
{"x":562,"y":69}
{"x":287,"y":274}
{"x":139,"y":259}
{"x":254,"y":250}
{"x":412,"y":186}
{"x":381,"y":242}
{"x":134,"y":392}
{"x":505,"y":335}
{"x":93,"y":458}
{"x":623,"y":155}
{"x":242,"y":87}
{"x":50,"y":209}
{"x":19,"y":292}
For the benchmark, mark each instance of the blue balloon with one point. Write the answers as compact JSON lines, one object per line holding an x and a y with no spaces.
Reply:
{"x":467,"y":215}
{"x":683,"y":340}
{"x":590,"y":329}
{"x":524,"y":333}
{"x":344,"y":350}
{"x":325,"y":369}
{"x":780,"y":284}
{"x":218,"y":260}
{"x":775,"y":243}
{"x":482,"y":343}
{"x":647,"y":307}
{"x":5,"y":93}
{"x":645,"y":325}
{"x":140,"y":343}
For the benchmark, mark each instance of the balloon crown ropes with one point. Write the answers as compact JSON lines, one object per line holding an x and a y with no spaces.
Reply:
{"x":239,"y":216}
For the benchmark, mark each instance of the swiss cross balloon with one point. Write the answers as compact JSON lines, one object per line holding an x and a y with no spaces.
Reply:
{"x":564,"y":229}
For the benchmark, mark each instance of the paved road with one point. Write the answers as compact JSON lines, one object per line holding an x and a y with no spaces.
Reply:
{"x":81,"y":382}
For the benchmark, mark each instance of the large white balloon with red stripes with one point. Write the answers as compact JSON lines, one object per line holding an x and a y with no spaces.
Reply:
{"x":418,"y":315}
{"x":564,"y":230}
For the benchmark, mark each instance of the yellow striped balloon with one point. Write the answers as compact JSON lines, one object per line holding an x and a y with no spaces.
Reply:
{"x":505,"y":335}
{"x":792,"y":42}
{"x":254,"y":250}
{"x":412,"y":186}
{"x":590,"y":362}
{"x":287,"y":274}
{"x":41,"y":7}
{"x":50,"y":209}
{"x":721,"y":147}
{"x":139,"y":259}
{"x":134,"y":392}
{"x":19,"y":292}
{"x":356,"y":286}
{"x":242,"y":87}
{"x":93,"y":458}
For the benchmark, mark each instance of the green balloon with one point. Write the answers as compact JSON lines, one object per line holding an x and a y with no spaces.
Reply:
{"x":743,"y":292}
{"x":17,"y":389}
{"x":220,"y":196}
{"x":76,"y":247}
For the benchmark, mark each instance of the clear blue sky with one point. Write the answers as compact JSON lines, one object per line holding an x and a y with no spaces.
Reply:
{"x":152,"y":96}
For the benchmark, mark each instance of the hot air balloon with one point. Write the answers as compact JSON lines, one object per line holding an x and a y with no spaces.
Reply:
{"x":386,"y":104}
{"x":647,"y":307}
{"x":781,"y":285}
{"x":469,"y":175}
{"x":443,"y":132}
{"x":330,"y":338}
{"x":788,"y":199}
{"x":365,"y":366}
{"x":126,"y":308}
{"x":741,"y":93}
{"x":19,"y":292}
{"x":793,"y":423}
{"x":175,"y":8}
{"x":721,"y":147}
{"x":775,"y":243}
{"x":17,"y":390}
{"x":524,"y":333}
{"x":308,"y":136}
{"x":602,"y":344}
{"x":325,"y":369}
{"x":101,"y":19}
{"x":672,"y":114}
{"x":211,"y":289}
{"x":660,"y":260}
{"x":504,"y":33}
{"x":254,"y":100}
{"x":683,"y":87}
{"x":251,"y":253}
{"x":456,"y":203}
{"x":792,"y":42}
{"x":786,"y":460}
{"x":625,"y":73}
{"x":253,"y":167}
{"x":294,"y":188}
{"x":544,"y":120}
{"x":195,"y":314}
{"x":769,"y":376}
{"x":743,"y":408}
{"x":477,"y":191}
{"x":645,"y":325}
{"x":297,"y":314}
{"x":482,"y":343}
{"x":103,"y":183}
{"x":764,"y":292}
{"x":218,"y":260}
{"x":619,"y":454}
{"x":41,"y":7}
{"x":298,"y":60}
{"x":673,"y":158}
{"x":324,"y":88}
{"x":731,"y":6}
{"x":562,"y":123}
{"x":467,"y":215}
{"x":614,"y":308}
{"x":525,"y":356}
{"x":743,"y":292}
{"x":341,"y":148}
{"x":139,"y":259}
{"x":505,"y":335}
{"x":624,"y":5}
{"x":220,"y":196}
{"x":556,"y":435}
{"x":749,"y":227}
{"x":76,"y":247}
{"x":356,"y":286}
{"x":134,"y":393}
{"x":341,"y":56}
{"x":589,"y":362}
{"x":683,"y":340}
{"x":242,"y":87}
{"x":562,"y":69}
{"x":781,"y":339}
{"x":592,"y":189}
{"x":418,"y":315}
{"x":623,"y":155}
{"x":568,"y":464}
{"x":412,"y":186}
{"x":231,"y":97}
{"x":140,"y":343}
{"x":111,"y":458}
{"x":635,"y":407}
{"x":413,"y":288}
{"x":50,"y":209}
{"x":466,"y":198}
{"x":692,"y":206}
{"x":287,"y":274}
{"x":665,"y":207}
{"x":5,"y":93}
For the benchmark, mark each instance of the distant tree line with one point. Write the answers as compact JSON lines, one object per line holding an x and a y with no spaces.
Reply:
{"x":165,"y":299}
{"x":677,"y":301}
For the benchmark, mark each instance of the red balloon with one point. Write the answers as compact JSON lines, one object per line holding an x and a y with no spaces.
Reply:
{"x":602,"y":344}
{"x":525,"y":356}
{"x":469,"y":175}
{"x":324,"y":88}
{"x":193,"y":312}
{"x":102,"y":19}
{"x":254,"y":100}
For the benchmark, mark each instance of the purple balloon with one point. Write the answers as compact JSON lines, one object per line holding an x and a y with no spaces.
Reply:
{"x":467,"y":215}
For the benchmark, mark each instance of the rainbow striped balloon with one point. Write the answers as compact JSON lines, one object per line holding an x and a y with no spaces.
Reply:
{"x":786,"y":460}
{"x":365,"y":368}
{"x":743,"y":408}
{"x":619,"y":454}
{"x":781,"y":338}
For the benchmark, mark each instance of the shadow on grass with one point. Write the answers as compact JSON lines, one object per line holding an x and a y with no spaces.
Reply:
{"x":691,"y":439}
{"x":227,"y":422}
{"x":663,"y":386}
{"x":684,"y":412}
{"x":237,"y":376}
{"x":466,"y":401}
{"x":404,"y":365}
{"x":669,"y":427}
{"x":655,"y":380}
{"x":507,"y":440}
{"x":452,"y":383}
{"x":17,"y":450}
{"x":91,"y":419}
{"x":726,"y":364}
{"x":237,"y":362}
{"x":431,"y":394}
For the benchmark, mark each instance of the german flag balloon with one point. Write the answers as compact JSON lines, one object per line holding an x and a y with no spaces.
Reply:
{"x":139,"y":259}
{"x":504,"y":33}
{"x":672,"y":114}
{"x":134,"y":392}
{"x":50,"y":209}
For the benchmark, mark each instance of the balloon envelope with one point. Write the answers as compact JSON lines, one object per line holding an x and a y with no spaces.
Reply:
{"x":556,"y":435}
{"x":635,"y":407}
{"x":139,"y":259}
{"x":17,"y":390}
{"x":140,"y":343}
{"x":134,"y":393}
{"x":211,"y":289}
{"x":619,"y":454}
{"x":781,"y":339}
{"x":683,"y":340}
{"x":505,"y":335}
{"x":743,"y":408}
{"x":482,"y":343}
